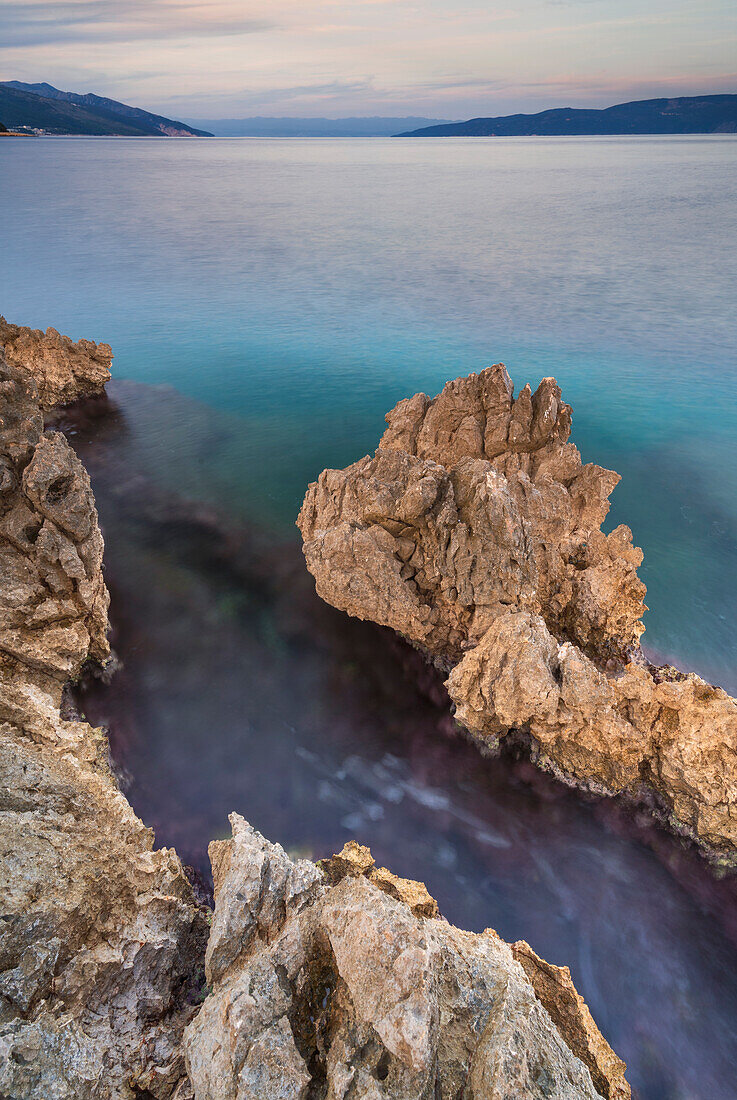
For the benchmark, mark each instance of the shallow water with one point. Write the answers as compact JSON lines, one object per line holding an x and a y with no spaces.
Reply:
{"x":280,"y":296}
{"x":241,"y":690}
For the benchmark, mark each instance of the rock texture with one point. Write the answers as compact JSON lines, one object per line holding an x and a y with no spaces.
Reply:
{"x":331,"y":981}
{"x":100,"y":936}
{"x":340,"y":981}
{"x":63,"y":371}
{"x":475,"y":532}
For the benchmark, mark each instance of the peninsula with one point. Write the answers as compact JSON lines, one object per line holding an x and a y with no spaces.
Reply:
{"x":702,"y":114}
{"x":43,"y":109}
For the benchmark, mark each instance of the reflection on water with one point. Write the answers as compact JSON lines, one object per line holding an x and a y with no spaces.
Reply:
{"x":240,"y":690}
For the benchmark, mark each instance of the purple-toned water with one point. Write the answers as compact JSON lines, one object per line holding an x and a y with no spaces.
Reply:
{"x":240,"y":690}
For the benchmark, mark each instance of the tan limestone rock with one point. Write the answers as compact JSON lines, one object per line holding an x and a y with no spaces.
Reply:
{"x":333,"y":985}
{"x":355,"y":859}
{"x":568,"y":1010}
{"x":475,"y":532}
{"x":63,"y":371}
{"x":101,"y":938}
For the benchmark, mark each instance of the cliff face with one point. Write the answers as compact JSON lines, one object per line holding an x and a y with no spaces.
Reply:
{"x":101,"y":938}
{"x":475,"y":532}
{"x":340,"y":980}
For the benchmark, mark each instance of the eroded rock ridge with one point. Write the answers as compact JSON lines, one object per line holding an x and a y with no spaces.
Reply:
{"x":341,"y":981}
{"x":100,"y":937}
{"x":475,"y":532}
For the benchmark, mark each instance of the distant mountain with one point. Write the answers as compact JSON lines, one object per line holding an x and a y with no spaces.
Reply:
{"x":43,"y":107}
{"x":701,"y":114}
{"x":261,"y":126}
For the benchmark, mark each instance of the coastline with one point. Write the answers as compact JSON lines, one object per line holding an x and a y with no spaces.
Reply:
{"x":106,"y":938}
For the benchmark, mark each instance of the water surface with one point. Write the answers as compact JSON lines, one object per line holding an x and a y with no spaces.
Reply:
{"x":267,"y":302}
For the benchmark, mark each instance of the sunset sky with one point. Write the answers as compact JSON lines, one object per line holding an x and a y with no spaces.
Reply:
{"x":391,"y":57}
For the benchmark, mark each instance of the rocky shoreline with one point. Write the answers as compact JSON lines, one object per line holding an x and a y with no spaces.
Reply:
{"x":475,"y":533}
{"x":101,"y":940}
{"x":332,"y":980}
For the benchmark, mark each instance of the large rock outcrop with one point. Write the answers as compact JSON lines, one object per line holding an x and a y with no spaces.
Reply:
{"x":63,"y":371}
{"x":341,"y":981}
{"x":332,"y":981}
{"x":475,"y":532}
{"x":100,"y":936}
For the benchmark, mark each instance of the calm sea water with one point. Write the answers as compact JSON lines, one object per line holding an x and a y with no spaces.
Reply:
{"x":303,"y":287}
{"x":267,"y":302}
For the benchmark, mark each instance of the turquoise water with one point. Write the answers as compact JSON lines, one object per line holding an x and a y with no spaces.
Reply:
{"x":267,"y":301}
{"x":303,"y":286}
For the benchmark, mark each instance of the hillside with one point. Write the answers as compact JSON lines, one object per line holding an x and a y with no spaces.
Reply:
{"x":704,"y":114}
{"x":43,"y":107}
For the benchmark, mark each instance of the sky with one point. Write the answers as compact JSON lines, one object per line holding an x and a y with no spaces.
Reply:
{"x":234,"y":58}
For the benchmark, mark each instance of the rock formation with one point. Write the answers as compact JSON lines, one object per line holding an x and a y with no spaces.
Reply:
{"x":63,"y":371}
{"x":332,"y":981}
{"x":100,"y":938}
{"x":341,"y":981}
{"x":475,"y":532}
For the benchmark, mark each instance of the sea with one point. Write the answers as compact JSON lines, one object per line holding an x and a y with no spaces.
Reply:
{"x":267,"y":301}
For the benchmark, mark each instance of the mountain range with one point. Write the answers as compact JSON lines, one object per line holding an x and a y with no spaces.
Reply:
{"x":261,"y":126}
{"x":702,"y":114}
{"x":41,"y":107}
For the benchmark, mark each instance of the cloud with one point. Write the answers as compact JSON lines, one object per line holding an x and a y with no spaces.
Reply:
{"x":41,"y":23}
{"x":476,"y":57}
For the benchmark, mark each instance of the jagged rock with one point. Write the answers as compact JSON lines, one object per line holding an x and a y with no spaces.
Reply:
{"x":53,"y":600}
{"x":63,"y":371}
{"x":475,"y":532}
{"x":334,"y":981}
{"x":570,"y":1014}
{"x":100,"y":937}
{"x":328,"y":982}
{"x":355,"y":859}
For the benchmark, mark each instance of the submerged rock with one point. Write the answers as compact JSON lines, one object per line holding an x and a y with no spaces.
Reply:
{"x":475,"y":532}
{"x":100,"y":937}
{"x":63,"y":371}
{"x":330,"y":981}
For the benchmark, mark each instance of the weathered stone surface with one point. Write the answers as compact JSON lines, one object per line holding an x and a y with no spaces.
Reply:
{"x":355,"y":859}
{"x":569,"y":1012}
{"x":475,"y":532}
{"x":53,"y":600}
{"x":326,"y":983}
{"x":63,"y":371}
{"x":100,"y":937}
{"x":332,"y":981}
